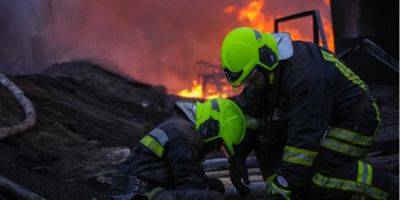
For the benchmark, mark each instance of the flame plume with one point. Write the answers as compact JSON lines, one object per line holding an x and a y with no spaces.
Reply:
{"x":254,"y":15}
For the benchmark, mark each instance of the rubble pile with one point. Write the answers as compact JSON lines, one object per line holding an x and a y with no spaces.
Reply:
{"x":83,"y":112}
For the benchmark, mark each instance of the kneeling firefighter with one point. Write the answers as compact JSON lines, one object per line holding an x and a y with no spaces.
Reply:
{"x":167,"y":162}
{"x":318,"y":119}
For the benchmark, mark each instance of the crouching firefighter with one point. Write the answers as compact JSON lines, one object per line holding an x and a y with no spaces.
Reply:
{"x":167,"y":162}
{"x":318,"y":119}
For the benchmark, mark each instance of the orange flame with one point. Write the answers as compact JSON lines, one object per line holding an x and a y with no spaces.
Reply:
{"x":197,"y":92}
{"x":252,"y":15}
{"x":229,"y":9}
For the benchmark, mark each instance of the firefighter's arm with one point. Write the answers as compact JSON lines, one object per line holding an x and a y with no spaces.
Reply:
{"x":251,"y":104}
{"x":185,"y":163}
{"x":310,"y":110}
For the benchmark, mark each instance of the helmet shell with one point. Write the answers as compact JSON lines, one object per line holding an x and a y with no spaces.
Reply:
{"x":231,"y":120}
{"x":243,"y":49}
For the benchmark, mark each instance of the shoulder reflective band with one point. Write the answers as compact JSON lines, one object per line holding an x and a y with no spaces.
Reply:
{"x":378,"y":116}
{"x":350,"y":136}
{"x":299,"y":156}
{"x":378,"y":113}
{"x":364,"y":173}
{"x":344,"y":70}
{"x":252,"y":123}
{"x":160,"y":135}
{"x":348,"y":185}
{"x":347,"y":149}
{"x":153,"y":145}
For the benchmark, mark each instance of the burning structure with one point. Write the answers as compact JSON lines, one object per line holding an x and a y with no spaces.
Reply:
{"x":169,"y":44}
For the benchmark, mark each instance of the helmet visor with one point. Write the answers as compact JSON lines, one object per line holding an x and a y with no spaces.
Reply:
{"x":210,"y":129}
{"x":232,"y":76}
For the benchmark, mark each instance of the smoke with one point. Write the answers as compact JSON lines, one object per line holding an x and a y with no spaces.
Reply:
{"x":153,"y":41}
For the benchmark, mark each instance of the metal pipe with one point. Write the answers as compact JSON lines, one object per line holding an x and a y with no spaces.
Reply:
{"x":15,"y":191}
{"x":218,"y":164}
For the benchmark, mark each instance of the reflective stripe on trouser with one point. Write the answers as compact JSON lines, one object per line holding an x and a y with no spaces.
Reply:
{"x":155,"y":141}
{"x":347,"y":142}
{"x":361,"y":185}
{"x":299,"y":156}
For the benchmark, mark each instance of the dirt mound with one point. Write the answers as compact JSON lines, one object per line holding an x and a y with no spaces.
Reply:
{"x":82,"y":109}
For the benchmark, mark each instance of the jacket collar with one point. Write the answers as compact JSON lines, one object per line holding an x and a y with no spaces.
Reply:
{"x":188,"y":108}
{"x":285,"y":47}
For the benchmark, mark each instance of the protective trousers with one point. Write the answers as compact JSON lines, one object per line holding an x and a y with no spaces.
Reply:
{"x":357,"y":180}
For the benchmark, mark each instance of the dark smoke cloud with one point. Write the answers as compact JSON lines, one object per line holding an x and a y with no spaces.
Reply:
{"x":154,"y":41}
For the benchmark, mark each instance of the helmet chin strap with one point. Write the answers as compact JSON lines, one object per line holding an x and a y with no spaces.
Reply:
{"x":273,"y":78}
{"x":225,"y":151}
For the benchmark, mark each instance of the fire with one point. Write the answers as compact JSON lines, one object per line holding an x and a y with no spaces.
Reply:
{"x":252,"y":15}
{"x":229,"y":9}
{"x":197,"y":92}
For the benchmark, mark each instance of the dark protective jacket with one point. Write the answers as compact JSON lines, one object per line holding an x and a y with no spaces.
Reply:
{"x":320,"y":115}
{"x":170,"y":156}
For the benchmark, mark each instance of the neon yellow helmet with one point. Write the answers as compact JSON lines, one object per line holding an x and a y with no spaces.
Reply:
{"x":224,"y":120}
{"x":243,"y":49}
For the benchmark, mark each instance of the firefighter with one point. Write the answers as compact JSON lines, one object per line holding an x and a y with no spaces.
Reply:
{"x":316,"y":119}
{"x":167,"y":162}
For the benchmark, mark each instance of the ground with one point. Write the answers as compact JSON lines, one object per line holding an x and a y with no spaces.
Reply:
{"x":77,"y":118}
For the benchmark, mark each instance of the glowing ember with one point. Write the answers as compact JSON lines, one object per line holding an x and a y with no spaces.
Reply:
{"x":197,"y":92}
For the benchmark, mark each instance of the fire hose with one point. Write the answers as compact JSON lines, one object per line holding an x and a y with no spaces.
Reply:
{"x":11,"y":190}
{"x":26,"y":104}
{"x":8,"y":188}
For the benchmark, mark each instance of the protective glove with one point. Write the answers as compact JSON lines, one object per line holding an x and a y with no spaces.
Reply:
{"x":277,"y":188}
{"x":237,"y":172}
